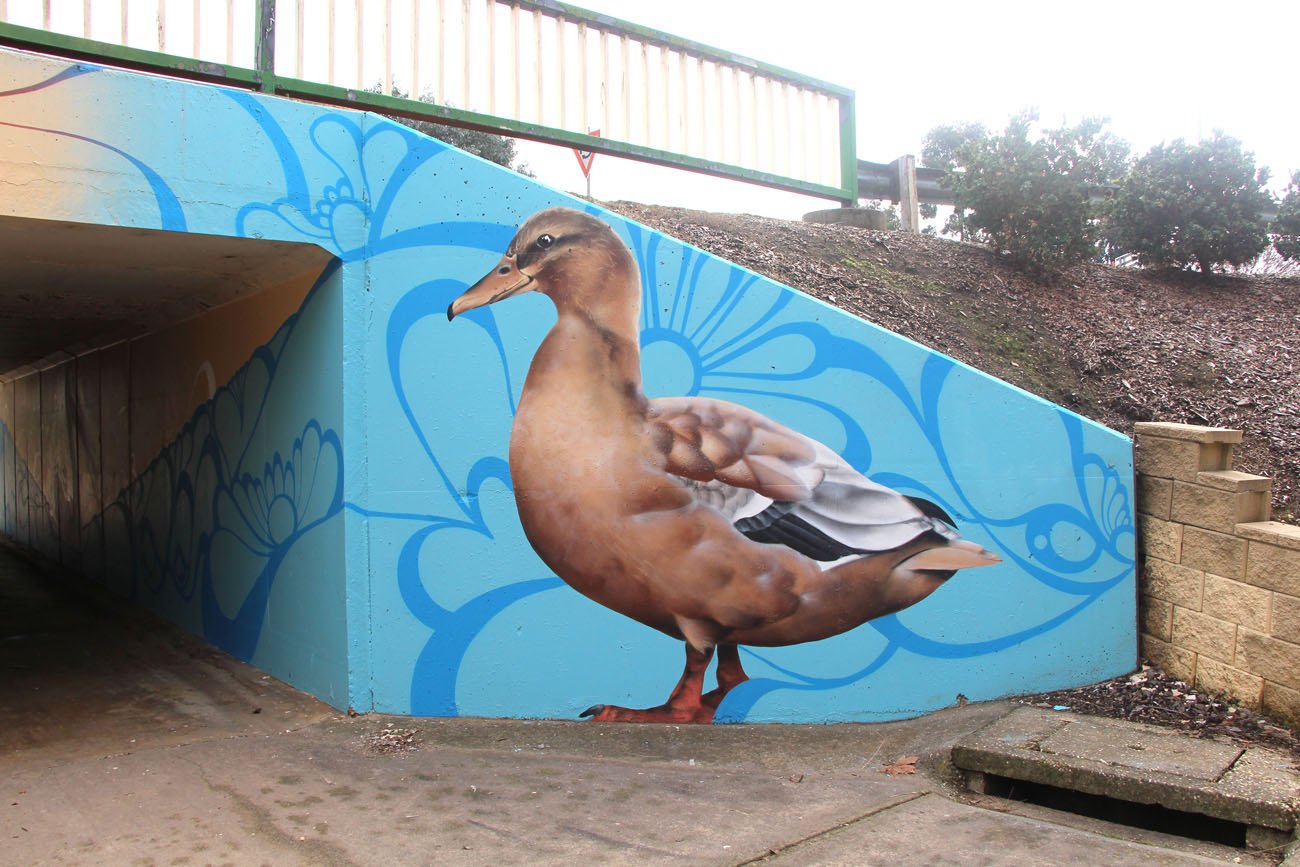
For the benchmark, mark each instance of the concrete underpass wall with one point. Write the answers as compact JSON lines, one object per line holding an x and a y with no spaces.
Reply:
{"x":180,"y":469}
{"x":448,"y":609}
{"x":121,"y":458}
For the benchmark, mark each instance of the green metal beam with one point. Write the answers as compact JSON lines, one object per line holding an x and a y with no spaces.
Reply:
{"x":107,"y":53}
{"x":263,"y":78}
{"x":848,"y":153}
{"x":417,"y":110}
{"x":264,"y":45}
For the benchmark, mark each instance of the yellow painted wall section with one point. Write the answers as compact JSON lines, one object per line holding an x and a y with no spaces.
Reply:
{"x":42,"y":175}
{"x":176,"y":370}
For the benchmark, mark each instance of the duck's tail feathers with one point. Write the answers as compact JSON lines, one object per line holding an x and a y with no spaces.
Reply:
{"x":957,"y":554}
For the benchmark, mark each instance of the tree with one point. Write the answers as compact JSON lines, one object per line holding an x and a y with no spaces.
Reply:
{"x":942,"y":144}
{"x":1286,"y":228}
{"x":939,"y":150}
{"x":1185,"y":204}
{"x":1031,"y":198}
{"x":893,"y":222}
{"x":494,"y":148}
{"x":498,"y":149}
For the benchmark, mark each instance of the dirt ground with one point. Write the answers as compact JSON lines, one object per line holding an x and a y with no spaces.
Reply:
{"x":1153,"y":697}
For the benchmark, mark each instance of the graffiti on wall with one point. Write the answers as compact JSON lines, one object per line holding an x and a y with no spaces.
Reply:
{"x":346,"y":502}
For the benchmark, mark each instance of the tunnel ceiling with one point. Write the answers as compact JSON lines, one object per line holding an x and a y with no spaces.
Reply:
{"x":71,"y":287}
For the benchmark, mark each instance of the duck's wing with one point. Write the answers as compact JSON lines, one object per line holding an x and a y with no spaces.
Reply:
{"x":776,"y":485}
{"x":715,"y":441}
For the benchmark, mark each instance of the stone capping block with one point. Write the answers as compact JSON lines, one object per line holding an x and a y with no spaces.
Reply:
{"x":1194,"y":432}
{"x":1272,"y":532}
{"x":1137,"y":763}
{"x":1213,"y":509}
{"x":1234,"y":480}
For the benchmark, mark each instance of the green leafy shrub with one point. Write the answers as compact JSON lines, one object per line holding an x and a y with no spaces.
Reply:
{"x":498,"y":149}
{"x":1031,"y":198}
{"x":1185,"y":204}
{"x":1286,"y":229}
{"x":939,"y":150}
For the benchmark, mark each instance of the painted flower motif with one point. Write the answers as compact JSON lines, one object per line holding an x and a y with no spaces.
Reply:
{"x":715,"y":329}
{"x":257,"y":520}
{"x":347,"y":214}
{"x":267,"y":512}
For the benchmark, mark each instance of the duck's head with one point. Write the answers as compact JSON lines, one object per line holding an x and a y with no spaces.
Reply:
{"x":572,"y":257}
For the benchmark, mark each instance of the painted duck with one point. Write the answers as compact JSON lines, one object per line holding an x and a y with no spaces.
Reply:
{"x":699,"y":518}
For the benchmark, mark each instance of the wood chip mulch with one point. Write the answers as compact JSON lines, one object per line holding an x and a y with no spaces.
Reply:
{"x":1151,"y":696}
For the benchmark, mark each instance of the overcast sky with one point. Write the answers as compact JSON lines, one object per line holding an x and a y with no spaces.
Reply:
{"x":1158,"y":70}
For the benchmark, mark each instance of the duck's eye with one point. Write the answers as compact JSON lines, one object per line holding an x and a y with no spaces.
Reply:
{"x":543,"y":242}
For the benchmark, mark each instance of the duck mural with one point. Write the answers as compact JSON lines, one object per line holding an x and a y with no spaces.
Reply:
{"x":697,"y":517}
{"x":339,"y":508}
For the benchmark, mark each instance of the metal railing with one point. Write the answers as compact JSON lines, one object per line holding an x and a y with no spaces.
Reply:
{"x":536,"y":69}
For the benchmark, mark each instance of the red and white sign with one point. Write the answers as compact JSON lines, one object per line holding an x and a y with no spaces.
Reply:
{"x":585,"y":158}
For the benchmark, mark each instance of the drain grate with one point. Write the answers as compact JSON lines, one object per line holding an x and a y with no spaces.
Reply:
{"x":1135,"y":775}
{"x":1149,"y":817}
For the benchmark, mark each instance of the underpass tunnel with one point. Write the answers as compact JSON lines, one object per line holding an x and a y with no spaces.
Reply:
{"x":110,"y":339}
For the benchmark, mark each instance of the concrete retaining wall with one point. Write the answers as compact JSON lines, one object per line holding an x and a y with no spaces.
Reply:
{"x":1220,"y":604}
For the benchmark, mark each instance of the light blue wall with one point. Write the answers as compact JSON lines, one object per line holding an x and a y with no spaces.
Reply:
{"x":448,"y":610}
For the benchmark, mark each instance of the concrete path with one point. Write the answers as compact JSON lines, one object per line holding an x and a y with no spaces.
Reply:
{"x":124,"y":742}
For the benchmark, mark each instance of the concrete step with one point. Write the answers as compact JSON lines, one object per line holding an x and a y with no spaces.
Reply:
{"x":1234,"y":481}
{"x":1139,"y":764}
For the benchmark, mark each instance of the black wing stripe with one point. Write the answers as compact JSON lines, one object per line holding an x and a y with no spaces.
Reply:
{"x":932,"y":510}
{"x":798,"y":535}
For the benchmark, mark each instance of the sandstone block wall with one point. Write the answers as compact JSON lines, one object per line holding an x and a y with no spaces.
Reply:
{"x":1220,"y":588}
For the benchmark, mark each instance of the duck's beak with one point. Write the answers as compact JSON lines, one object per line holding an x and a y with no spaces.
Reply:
{"x":501,"y":282}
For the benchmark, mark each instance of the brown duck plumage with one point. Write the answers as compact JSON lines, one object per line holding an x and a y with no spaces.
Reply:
{"x":697,"y":517}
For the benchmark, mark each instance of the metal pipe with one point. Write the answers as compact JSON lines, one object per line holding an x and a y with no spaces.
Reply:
{"x":263,"y":45}
{"x":880,"y":181}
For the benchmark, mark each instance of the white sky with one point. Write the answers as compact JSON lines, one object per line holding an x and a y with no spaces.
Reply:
{"x":1158,"y":70}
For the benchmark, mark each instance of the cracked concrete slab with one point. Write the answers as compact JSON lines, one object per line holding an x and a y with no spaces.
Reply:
{"x":931,"y":830}
{"x":320,"y":796}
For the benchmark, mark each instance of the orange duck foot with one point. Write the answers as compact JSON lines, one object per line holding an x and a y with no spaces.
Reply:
{"x":686,"y":704}
{"x":664,"y":713}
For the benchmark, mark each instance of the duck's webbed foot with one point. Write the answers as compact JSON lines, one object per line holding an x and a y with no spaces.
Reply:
{"x":730,"y":675}
{"x":685,"y":705}
{"x":664,"y":713}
